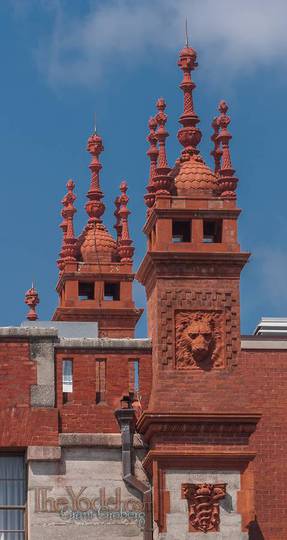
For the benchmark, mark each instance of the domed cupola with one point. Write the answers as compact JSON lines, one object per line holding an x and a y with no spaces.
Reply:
{"x":194,"y":174}
{"x":98,"y":244}
{"x":96,"y":274}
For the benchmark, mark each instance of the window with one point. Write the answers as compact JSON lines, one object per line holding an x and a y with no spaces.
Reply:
{"x":111,"y":291}
{"x":212,"y":231}
{"x":181,"y":231}
{"x":12,"y":497}
{"x":133,"y":376}
{"x":67,"y":380}
{"x":100,"y":380}
{"x":86,"y":292}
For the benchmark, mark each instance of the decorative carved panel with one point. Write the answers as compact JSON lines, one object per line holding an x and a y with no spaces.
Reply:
{"x":203,"y":505}
{"x":199,"y":339}
{"x":222,"y":310}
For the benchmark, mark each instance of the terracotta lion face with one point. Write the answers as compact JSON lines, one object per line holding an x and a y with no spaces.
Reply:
{"x":196,"y":339}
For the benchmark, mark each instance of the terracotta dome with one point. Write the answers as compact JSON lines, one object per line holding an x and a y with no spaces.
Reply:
{"x":98,"y":244}
{"x":194,"y":174}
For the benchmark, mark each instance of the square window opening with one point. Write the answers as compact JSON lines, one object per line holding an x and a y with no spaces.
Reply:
{"x":181,"y":231}
{"x":86,"y":290}
{"x":112,"y":291}
{"x":212,"y":232}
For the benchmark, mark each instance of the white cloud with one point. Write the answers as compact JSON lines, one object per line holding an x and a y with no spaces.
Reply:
{"x":233,"y":36}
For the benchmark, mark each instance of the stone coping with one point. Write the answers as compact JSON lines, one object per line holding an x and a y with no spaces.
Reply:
{"x":26,"y":332}
{"x":68,"y":440}
{"x":100,"y":440}
{"x":90,"y":343}
{"x":20,"y":332}
{"x":104,"y":343}
{"x":263,"y":342}
{"x":43,"y":453}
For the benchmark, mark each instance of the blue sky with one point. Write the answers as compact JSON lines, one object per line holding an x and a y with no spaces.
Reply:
{"x":62,"y":61}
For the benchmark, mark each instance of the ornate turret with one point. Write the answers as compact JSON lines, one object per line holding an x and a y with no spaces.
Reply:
{"x":191,"y":273}
{"x":191,"y":270}
{"x":97,"y":243}
{"x":68,"y":251}
{"x":189,"y":135}
{"x":96,"y":276}
{"x":153,"y":156}
{"x":227,"y":181}
{"x":161,"y":179}
{"x":117,"y":226}
{"x":32,"y":300}
{"x":125,"y":249}
{"x":216,"y":152}
{"x":192,"y":174}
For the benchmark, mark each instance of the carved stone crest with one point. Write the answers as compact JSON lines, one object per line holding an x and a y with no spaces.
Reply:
{"x":203,"y":505}
{"x":199,"y":337}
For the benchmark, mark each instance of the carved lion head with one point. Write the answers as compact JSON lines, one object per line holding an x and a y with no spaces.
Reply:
{"x":197,"y":339}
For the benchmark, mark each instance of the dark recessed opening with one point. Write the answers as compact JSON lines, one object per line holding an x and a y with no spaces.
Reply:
{"x":112,"y":291}
{"x":212,"y":231}
{"x":181,"y":231}
{"x":86,"y":290}
{"x":100,"y":380}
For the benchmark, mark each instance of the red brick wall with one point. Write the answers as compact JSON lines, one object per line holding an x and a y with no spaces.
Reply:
{"x":257,"y":384}
{"x":22,"y":426}
{"x":262,"y":382}
{"x":81,"y":413}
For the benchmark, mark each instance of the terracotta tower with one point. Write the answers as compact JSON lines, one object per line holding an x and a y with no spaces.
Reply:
{"x":191,"y":270}
{"x":191,"y":273}
{"x":96,"y":276}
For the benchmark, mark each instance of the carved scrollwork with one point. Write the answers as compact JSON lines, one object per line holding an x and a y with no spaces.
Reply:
{"x":203,"y":505}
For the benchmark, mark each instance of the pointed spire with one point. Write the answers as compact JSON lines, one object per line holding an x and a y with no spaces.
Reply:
{"x":189,"y":135}
{"x":186,"y":34}
{"x":153,"y":155}
{"x":227,"y":180}
{"x":94,"y":207}
{"x":68,"y":250}
{"x":153,"y":150}
{"x":118,"y":225}
{"x":32,"y":299}
{"x":161,"y":180}
{"x":216,"y":152}
{"x":126,"y":249}
{"x":161,"y":134}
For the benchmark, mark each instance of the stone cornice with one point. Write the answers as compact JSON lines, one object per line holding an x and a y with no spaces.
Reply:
{"x":110,"y":344}
{"x":179,"y":265}
{"x":99,"y":440}
{"x":196,"y":458}
{"x":220,"y":425}
{"x":100,"y":312}
{"x":20,"y":332}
